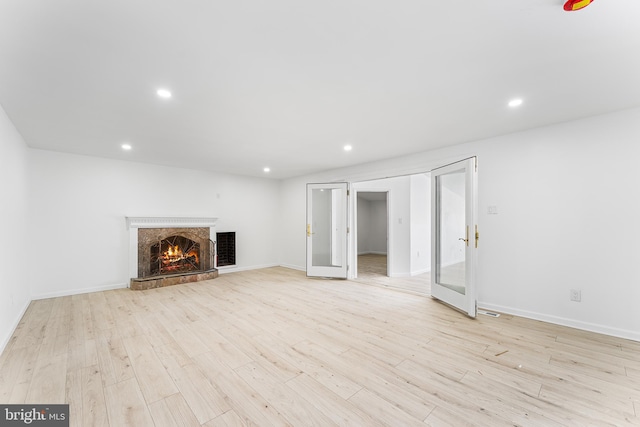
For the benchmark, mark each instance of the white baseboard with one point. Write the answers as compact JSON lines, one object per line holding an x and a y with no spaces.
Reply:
{"x":234,"y":269}
{"x":421,"y":271}
{"x":585,"y":326}
{"x":15,"y":324}
{"x":69,"y":292}
{"x":294,"y":267}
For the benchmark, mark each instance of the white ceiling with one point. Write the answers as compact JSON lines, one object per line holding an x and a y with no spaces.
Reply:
{"x":287,"y":83}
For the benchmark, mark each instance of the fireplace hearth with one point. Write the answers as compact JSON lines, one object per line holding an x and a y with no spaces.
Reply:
{"x":171,"y":251}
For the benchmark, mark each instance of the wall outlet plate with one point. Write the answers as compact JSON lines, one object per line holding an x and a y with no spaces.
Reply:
{"x":575,"y":295}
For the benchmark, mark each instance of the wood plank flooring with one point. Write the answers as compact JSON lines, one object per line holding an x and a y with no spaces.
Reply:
{"x":372,"y":269}
{"x":274,"y":348}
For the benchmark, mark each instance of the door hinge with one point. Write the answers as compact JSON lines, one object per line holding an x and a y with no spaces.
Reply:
{"x":348,"y":193}
{"x":477,"y":236}
{"x":347,"y":230}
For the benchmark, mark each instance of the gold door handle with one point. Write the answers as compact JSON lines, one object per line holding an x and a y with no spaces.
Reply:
{"x":309,"y":233}
{"x":466,"y":240}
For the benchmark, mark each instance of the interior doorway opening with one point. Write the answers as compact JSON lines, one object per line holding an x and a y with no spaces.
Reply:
{"x":372,"y":234}
{"x":392,"y":239}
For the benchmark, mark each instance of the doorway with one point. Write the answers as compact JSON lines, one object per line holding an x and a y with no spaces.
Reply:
{"x":392,"y":232}
{"x":372,"y":234}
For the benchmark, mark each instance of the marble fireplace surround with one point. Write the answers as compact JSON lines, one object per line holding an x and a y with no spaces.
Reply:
{"x":197,"y":226}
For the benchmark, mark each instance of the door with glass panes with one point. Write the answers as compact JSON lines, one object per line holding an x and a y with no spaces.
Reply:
{"x":454,"y":234}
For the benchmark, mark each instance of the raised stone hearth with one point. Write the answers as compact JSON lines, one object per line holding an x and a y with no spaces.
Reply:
{"x":162,"y":281}
{"x":170,"y":251}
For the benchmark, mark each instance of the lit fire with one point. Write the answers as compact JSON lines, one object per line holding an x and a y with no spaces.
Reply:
{"x":174,"y":254}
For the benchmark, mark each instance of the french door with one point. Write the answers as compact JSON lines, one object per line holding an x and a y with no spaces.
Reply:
{"x":454,"y":233}
{"x":327,"y":230}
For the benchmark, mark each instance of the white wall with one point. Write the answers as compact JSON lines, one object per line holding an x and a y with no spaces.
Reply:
{"x":78,"y":206}
{"x":372,"y":226}
{"x":15,"y":255}
{"x":566,"y":197}
{"x":364,"y":226}
{"x":378,"y":227}
{"x":420,"y":212}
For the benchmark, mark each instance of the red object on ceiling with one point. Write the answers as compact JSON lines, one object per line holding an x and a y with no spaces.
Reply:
{"x":572,"y":5}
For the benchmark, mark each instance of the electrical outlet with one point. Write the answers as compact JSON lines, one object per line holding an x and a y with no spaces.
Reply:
{"x":575,"y":295}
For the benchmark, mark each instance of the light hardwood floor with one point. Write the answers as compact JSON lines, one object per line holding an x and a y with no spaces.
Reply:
{"x":372,"y":269}
{"x":272,"y":347}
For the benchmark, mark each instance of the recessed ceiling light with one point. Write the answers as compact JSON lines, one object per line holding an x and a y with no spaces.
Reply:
{"x":348,"y":148}
{"x":126,"y":147}
{"x":164,"y":93}
{"x":267,"y":169}
{"x":515,"y":102}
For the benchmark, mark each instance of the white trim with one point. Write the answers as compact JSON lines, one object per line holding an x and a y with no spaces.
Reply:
{"x":69,"y":292}
{"x":563,"y":321}
{"x":232,"y":269}
{"x":169,"y":222}
{"x":421,"y":271}
{"x":16,"y":322}
{"x":293,"y":267}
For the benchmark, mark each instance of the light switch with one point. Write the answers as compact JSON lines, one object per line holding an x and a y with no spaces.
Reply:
{"x":492,"y":210}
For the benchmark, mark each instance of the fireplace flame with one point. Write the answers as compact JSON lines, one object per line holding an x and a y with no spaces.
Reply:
{"x":174,"y":254}
{"x":174,"y":251}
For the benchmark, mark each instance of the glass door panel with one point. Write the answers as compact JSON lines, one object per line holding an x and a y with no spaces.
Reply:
{"x":327,"y":230}
{"x":453,"y":245}
{"x":450,"y":266}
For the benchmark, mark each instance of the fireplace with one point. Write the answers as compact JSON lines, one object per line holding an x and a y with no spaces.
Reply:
{"x":175,"y":254}
{"x":170,"y":251}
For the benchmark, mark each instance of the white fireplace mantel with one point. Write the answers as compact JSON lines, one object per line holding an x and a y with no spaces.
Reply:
{"x":136,"y":222}
{"x":169,"y":222}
